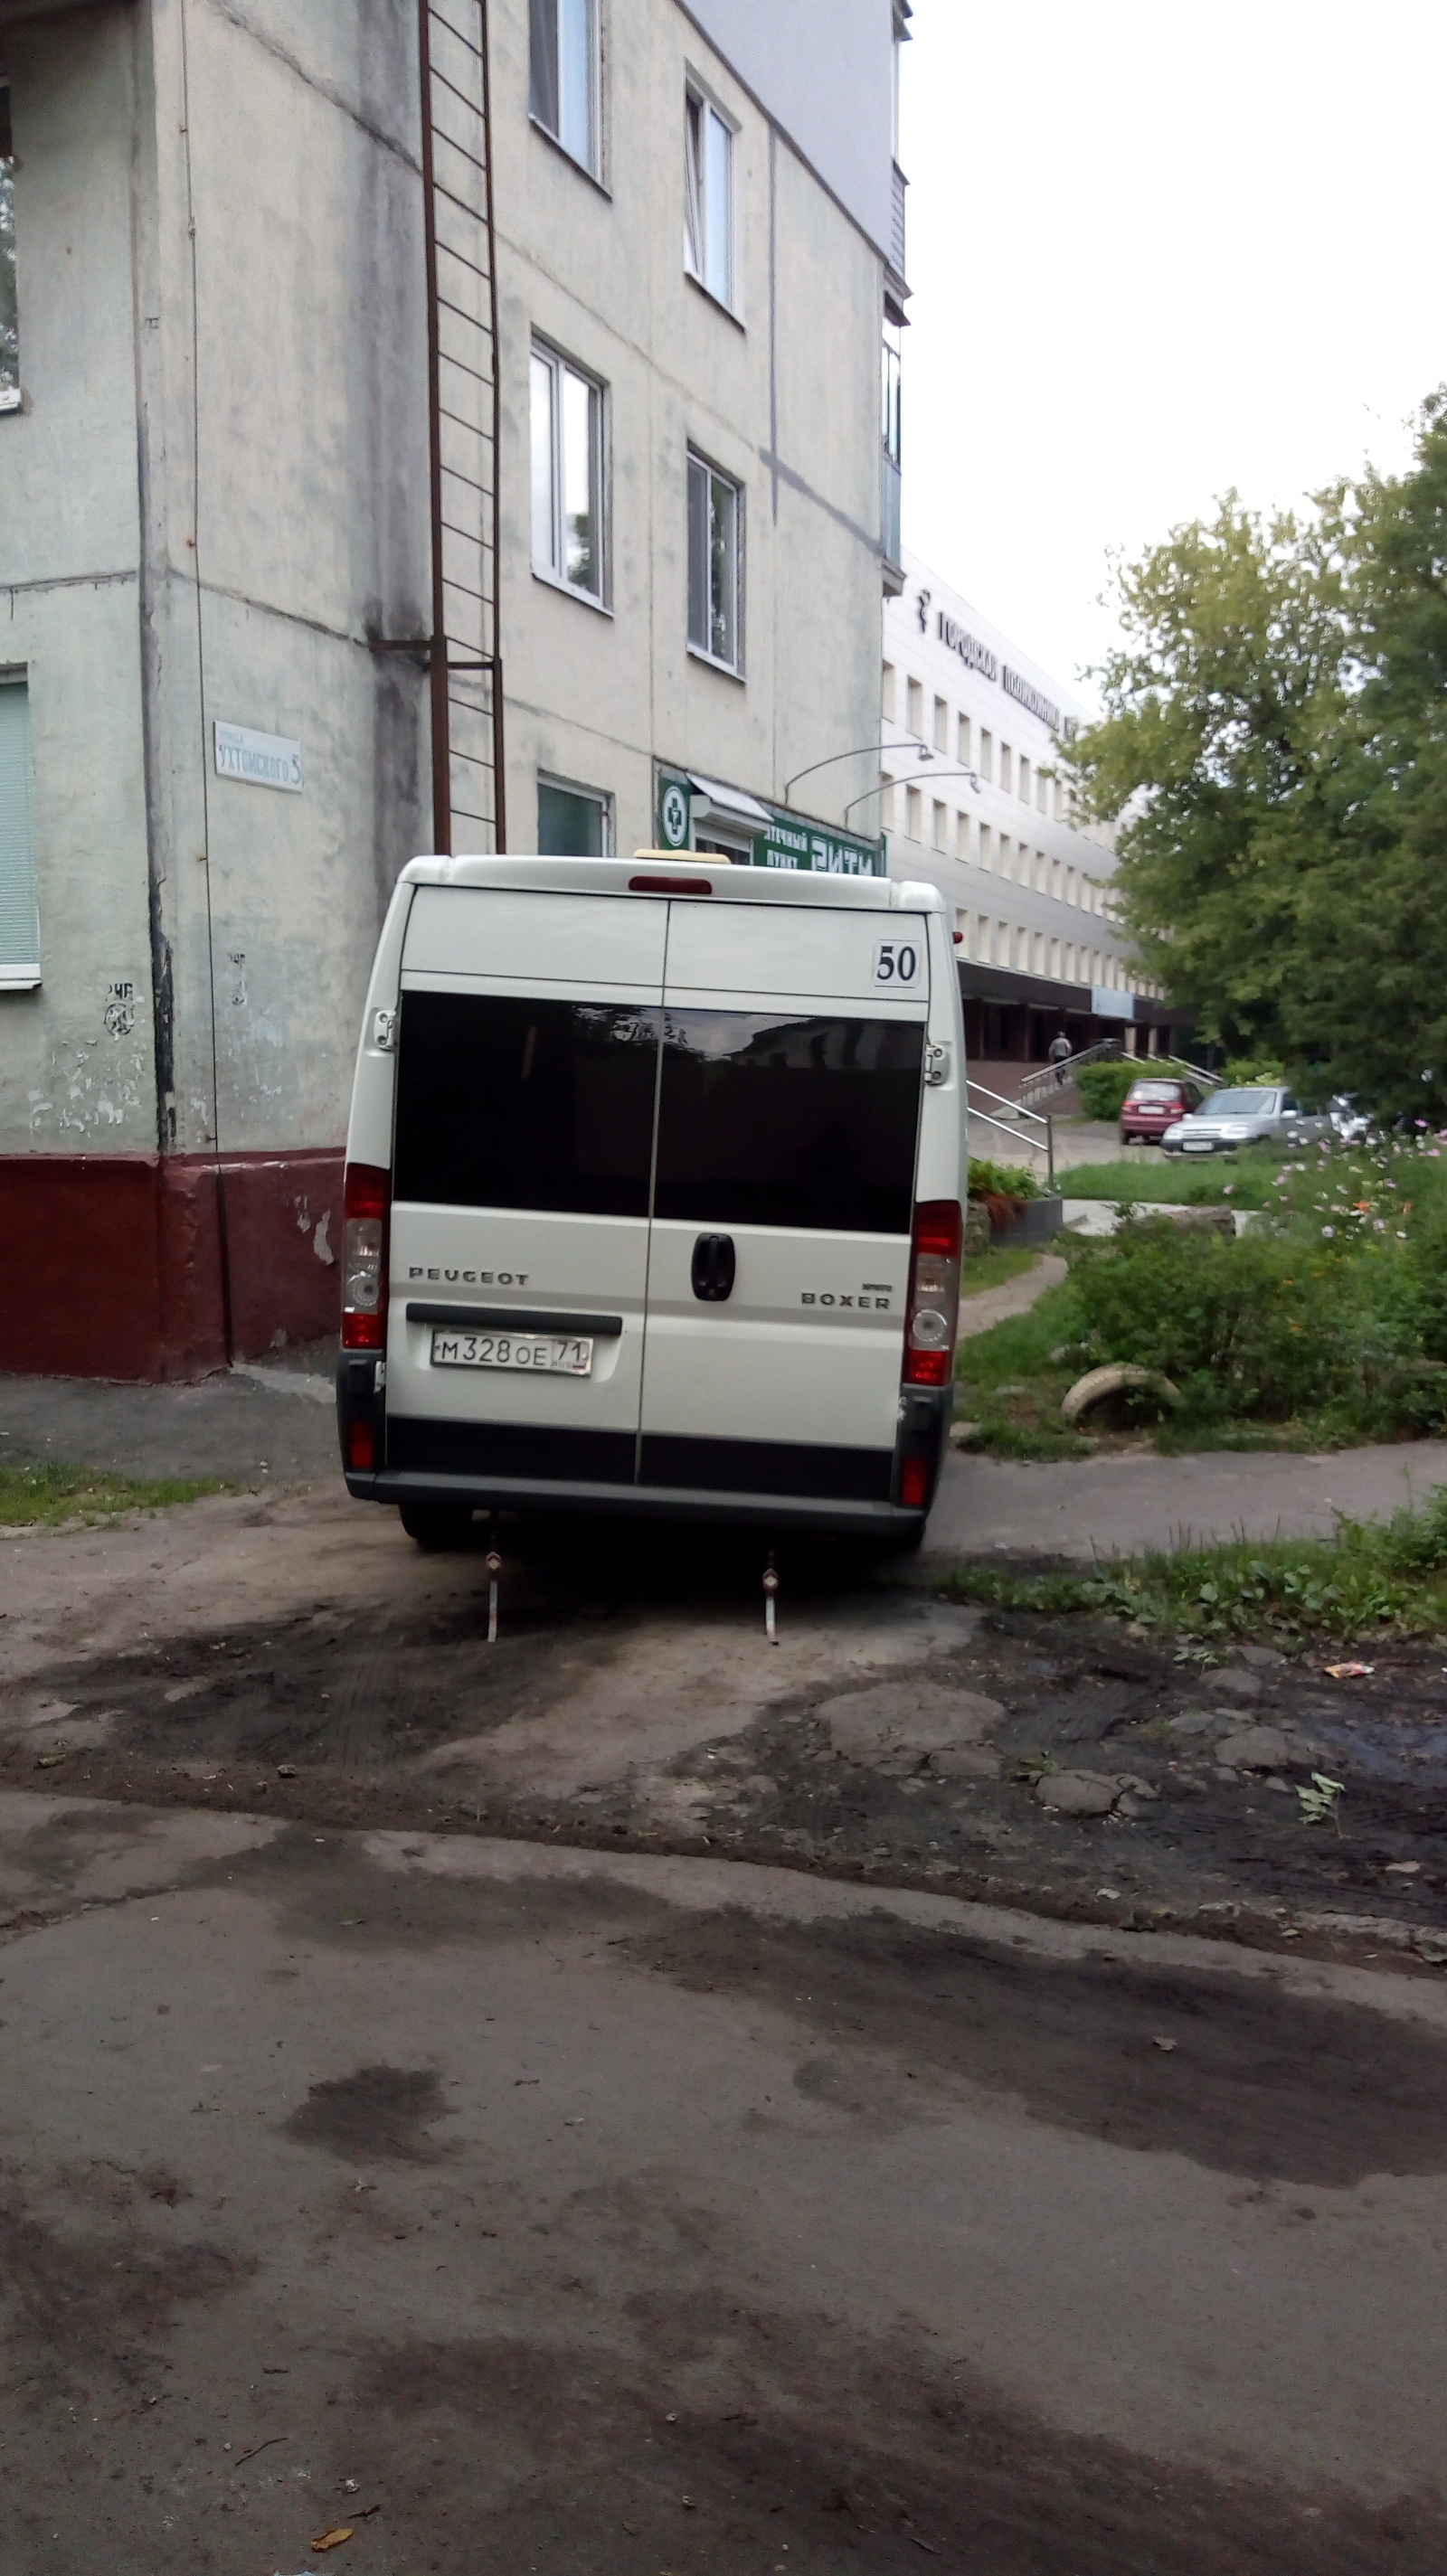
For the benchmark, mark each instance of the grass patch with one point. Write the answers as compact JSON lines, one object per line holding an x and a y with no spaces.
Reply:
{"x":1371,"y":1579}
{"x":1011,"y":1385}
{"x":994,"y":1268}
{"x":1243,"y":1180}
{"x":48,"y":1493}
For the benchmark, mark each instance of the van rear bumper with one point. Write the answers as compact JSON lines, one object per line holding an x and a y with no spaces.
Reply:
{"x":880,"y":1520}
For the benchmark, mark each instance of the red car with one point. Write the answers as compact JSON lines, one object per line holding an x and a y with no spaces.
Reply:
{"x":1150,"y":1107}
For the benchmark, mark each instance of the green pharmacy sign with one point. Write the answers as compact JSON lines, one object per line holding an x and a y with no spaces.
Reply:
{"x":786,"y":840}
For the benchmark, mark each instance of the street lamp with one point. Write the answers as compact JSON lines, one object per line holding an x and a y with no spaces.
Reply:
{"x":922,"y":750}
{"x":890,"y":782}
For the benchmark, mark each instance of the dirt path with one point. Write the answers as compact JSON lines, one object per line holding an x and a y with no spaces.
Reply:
{"x":1016,"y":1297}
{"x":300,"y":1655}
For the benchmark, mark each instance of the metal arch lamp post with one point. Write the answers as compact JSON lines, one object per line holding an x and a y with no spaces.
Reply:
{"x":911,"y":742}
{"x":939,"y":774}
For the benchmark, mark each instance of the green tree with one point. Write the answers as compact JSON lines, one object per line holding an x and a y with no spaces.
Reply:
{"x":1274,"y":748}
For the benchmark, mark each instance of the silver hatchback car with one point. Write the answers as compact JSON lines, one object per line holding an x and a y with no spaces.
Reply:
{"x":1267,"y":1114}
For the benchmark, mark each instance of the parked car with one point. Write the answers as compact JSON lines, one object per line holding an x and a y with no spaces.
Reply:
{"x":1267,"y":1114}
{"x":1350,"y":1122}
{"x":1151,"y":1106}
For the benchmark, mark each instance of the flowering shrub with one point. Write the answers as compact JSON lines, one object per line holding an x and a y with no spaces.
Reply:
{"x":1336,"y":1298}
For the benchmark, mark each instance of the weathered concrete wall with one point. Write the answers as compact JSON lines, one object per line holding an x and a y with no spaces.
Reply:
{"x":210,"y":507}
{"x":822,"y":69}
{"x":69,"y":588}
{"x":600,"y":275}
{"x":295,"y":454}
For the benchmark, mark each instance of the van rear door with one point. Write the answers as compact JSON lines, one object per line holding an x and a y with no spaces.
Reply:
{"x":526,"y":1083}
{"x":789,"y":1107}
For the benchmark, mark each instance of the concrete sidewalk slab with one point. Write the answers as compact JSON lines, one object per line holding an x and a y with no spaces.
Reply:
{"x":1119,"y":1504}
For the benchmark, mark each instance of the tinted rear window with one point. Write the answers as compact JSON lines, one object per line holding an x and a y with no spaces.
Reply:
{"x":772,"y":1119}
{"x":525,"y":1104}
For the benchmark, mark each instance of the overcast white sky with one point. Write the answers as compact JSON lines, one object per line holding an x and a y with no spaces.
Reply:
{"x":1156,"y":250}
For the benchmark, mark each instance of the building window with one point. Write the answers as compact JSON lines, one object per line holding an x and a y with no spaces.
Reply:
{"x":565,"y":84}
{"x":987,"y":860}
{"x":708,"y":175}
{"x":886,"y":694}
{"x":9,"y":310}
{"x":1040,"y":791}
{"x":942,"y":725}
{"x":1070,"y":885}
{"x":914,"y":809}
{"x":573,"y":822}
{"x":982,"y":938}
{"x":715,"y":564}
{"x":914,"y":704}
{"x":962,"y":838}
{"x":1004,"y":769}
{"x":1024,"y":780}
{"x":942,"y":824}
{"x":19,"y":920}
{"x":1007,"y":856}
{"x":1059,"y":800}
{"x":962,"y":744}
{"x":987,"y":752}
{"x":567,"y":464}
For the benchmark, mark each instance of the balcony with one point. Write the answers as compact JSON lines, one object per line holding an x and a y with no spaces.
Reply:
{"x":896,"y":224}
{"x":889,"y":489}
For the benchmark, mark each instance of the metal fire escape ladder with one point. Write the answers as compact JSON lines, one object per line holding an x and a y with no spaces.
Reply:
{"x":468,"y":795}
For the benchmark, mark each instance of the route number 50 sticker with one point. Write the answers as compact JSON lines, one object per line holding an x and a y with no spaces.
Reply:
{"x":898,"y":962}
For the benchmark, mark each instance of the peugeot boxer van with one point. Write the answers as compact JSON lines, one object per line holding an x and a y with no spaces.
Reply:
{"x":653,"y":1197}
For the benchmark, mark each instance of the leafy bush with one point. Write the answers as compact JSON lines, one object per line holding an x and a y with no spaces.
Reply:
{"x":1103,"y":1087}
{"x":1245,"y":1070}
{"x":1266,"y":1324}
{"x":1001,"y":1180}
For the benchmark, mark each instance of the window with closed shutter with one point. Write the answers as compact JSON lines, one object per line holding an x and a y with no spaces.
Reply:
{"x":19,"y":920}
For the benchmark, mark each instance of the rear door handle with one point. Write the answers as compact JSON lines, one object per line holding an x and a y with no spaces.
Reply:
{"x":713,"y":1268}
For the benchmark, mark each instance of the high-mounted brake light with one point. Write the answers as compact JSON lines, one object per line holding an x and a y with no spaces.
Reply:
{"x":934,"y":1293}
{"x":669,"y":885}
{"x":364,"y":1258}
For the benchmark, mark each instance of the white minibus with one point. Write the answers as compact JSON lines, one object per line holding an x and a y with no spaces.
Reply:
{"x":654,"y":1184}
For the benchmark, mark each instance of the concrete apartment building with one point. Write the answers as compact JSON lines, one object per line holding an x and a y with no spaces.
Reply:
{"x":972,"y":800}
{"x":444,"y":423}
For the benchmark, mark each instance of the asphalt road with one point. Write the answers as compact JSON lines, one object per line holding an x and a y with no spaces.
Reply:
{"x":527,"y":2210}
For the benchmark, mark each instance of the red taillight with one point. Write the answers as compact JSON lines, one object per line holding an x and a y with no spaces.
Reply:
{"x":913,"y":1481}
{"x":934,"y":1293}
{"x":364,"y":1260}
{"x":361,"y":1445}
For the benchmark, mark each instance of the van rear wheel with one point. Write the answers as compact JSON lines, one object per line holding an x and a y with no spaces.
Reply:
{"x":434,"y":1525}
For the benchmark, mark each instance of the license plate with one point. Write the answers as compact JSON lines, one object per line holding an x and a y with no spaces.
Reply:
{"x":1200,"y":1149}
{"x":541,"y":1354}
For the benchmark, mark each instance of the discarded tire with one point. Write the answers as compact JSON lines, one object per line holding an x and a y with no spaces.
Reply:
{"x":1119,"y":1377}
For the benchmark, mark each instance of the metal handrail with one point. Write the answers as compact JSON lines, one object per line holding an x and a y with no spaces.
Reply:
{"x":1003,"y":1101}
{"x":1058,"y":1076}
{"x":1032,"y":1143}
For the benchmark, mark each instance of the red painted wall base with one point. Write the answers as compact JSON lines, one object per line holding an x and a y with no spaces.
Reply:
{"x":110,"y":1264}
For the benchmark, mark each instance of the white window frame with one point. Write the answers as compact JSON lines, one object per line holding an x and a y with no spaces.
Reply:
{"x":549,"y":545}
{"x":10,"y":397}
{"x":19,"y":893}
{"x":599,"y":796}
{"x":540,"y":13}
{"x":701,"y":465}
{"x":711,"y":234}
